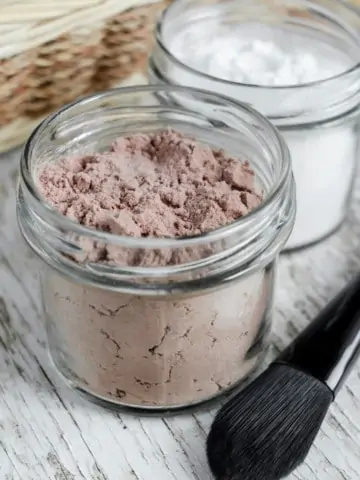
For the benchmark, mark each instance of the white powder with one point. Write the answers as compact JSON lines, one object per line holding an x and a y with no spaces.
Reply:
{"x":241,"y":56}
{"x":323,"y":158}
{"x":323,"y":166}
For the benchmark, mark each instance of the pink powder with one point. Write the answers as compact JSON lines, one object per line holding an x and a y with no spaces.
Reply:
{"x":159,"y":185}
{"x":137,"y":349}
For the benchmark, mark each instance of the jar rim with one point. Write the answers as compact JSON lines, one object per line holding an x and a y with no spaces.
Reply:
{"x":286,"y":87}
{"x":47,"y":211}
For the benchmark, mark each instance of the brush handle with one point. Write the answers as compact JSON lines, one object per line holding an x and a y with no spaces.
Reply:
{"x":328,"y":348}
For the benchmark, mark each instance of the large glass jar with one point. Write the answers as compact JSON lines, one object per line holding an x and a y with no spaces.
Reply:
{"x":318,"y":118}
{"x":163,"y":336}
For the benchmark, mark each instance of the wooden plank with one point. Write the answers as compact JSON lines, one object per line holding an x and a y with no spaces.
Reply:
{"x":47,"y":432}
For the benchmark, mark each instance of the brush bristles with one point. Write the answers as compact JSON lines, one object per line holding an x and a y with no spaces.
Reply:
{"x":267,"y":429}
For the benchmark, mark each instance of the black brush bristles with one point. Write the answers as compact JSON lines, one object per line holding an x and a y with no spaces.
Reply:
{"x":267,"y":429}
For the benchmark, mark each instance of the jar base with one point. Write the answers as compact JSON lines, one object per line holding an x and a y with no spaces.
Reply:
{"x":116,"y":405}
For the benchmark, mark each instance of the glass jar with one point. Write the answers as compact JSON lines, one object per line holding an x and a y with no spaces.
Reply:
{"x":158,"y":336}
{"x":319,"y":119}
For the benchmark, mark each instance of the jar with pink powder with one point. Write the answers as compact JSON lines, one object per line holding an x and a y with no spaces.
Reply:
{"x":157,"y":214}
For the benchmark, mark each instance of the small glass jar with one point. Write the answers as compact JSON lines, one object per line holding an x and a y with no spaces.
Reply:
{"x":158,"y":336}
{"x":318,"y":119}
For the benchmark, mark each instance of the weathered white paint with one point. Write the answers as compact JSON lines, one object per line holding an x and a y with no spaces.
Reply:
{"x":47,"y":432}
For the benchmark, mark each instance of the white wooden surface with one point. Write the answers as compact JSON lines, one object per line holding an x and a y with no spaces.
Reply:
{"x":47,"y":432}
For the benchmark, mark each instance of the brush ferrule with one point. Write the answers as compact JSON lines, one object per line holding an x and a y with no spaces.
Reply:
{"x":330,"y":345}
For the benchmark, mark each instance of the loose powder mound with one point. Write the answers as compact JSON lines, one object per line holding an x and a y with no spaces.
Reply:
{"x":137,"y":349}
{"x":159,"y":185}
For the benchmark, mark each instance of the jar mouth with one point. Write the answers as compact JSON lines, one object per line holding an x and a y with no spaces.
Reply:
{"x":348,"y":72}
{"x":46,"y":211}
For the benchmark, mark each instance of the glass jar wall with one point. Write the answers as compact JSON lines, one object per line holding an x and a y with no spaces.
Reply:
{"x":158,"y":335}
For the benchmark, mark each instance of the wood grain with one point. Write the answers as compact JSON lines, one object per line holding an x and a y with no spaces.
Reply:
{"x":47,"y":432}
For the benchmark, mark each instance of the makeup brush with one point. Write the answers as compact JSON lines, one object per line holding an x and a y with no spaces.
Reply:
{"x":266,"y":430}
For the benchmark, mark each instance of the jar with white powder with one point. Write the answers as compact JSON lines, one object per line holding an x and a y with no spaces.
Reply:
{"x":145,"y":321}
{"x":295,"y":61}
